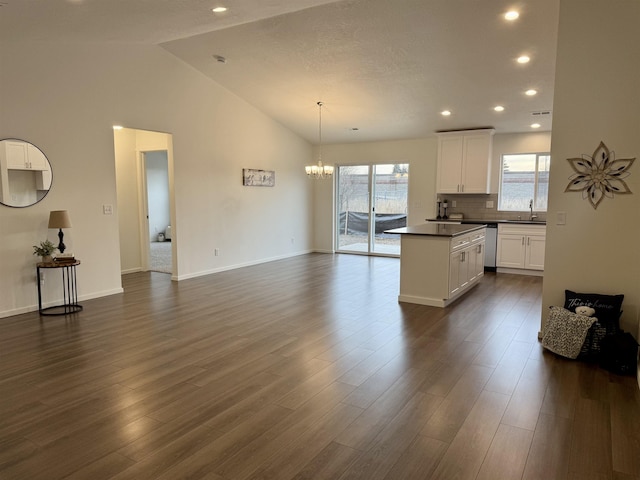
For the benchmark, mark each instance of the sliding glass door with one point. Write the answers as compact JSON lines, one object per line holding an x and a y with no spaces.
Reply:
{"x":370,"y":200}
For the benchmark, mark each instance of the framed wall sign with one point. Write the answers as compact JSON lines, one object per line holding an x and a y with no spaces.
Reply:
{"x":258,"y":178}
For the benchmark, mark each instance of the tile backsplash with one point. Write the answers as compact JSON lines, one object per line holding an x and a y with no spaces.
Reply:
{"x":475,"y":207}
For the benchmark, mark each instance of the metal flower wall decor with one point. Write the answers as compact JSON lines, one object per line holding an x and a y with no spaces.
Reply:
{"x":600,"y":175}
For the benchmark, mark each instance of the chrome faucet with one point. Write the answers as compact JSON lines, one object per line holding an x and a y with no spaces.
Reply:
{"x":531,"y":215}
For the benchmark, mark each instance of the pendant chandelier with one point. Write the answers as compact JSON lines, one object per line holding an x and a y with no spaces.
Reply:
{"x":319,"y":170}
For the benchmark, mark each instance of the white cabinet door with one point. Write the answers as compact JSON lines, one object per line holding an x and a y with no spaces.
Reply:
{"x":458,"y":271}
{"x":454,"y":273}
{"x":463,"y":268}
{"x":16,"y":155}
{"x":510,"y":251}
{"x":36,"y":159}
{"x":534,"y":257}
{"x":475,"y":167}
{"x":450,"y":150}
{"x":464,"y":160}
{"x":476,"y":261}
{"x":24,"y":156}
{"x":521,"y":246}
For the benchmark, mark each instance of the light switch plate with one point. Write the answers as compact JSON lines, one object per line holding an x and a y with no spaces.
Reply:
{"x":561,"y":218}
{"x":107,"y":209}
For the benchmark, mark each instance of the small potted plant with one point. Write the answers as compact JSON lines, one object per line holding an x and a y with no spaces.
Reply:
{"x":44,"y":250}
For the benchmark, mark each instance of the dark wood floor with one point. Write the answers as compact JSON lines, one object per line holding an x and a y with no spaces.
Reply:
{"x":306,"y":368}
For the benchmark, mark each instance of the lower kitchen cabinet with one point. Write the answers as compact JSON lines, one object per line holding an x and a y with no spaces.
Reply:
{"x":466,"y":266}
{"x":437,"y":269}
{"x":521,"y":247}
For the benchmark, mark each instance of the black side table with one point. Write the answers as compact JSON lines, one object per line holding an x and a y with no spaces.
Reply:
{"x":69,"y":288}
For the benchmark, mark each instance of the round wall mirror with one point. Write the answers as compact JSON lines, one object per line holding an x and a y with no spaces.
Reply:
{"x":25,"y":173}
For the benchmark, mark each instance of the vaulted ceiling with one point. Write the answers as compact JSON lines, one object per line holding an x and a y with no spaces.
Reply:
{"x":383,"y":69}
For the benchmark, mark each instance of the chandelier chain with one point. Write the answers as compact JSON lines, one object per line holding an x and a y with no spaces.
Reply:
{"x":319,"y":170}
{"x":320,"y":131}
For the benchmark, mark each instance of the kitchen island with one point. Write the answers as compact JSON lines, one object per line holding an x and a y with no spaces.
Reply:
{"x":439,"y":262}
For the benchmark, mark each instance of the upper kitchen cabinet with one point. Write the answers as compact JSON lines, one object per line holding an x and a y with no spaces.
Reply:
{"x":464,"y":161}
{"x":21,"y":155}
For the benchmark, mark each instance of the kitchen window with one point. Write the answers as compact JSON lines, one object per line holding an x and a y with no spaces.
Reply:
{"x":524,"y":178}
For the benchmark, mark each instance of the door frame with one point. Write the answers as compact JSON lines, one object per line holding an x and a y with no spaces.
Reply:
{"x":371,"y":196}
{"x":137,"y":142}
{"x":143,"y":210}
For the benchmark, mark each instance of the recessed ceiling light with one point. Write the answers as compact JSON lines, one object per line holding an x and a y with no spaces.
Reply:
{"x":499,"y":108}
{"x":219,"y":9}
{"x":118,"y":127}
{"x":445,"y":113}
{"x":535,"y":125}
{"x":531,"y":92}
{"x":523,"y":59}
{"x":511,"y":15}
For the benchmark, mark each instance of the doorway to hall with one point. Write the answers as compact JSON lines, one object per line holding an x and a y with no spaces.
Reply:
{"x":144,"y":176}
{"x":156,"y":168}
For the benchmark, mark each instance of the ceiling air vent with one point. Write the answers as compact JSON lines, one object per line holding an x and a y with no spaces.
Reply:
{"x":541,"y":113}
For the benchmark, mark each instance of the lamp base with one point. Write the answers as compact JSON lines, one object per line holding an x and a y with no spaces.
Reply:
{"x":61,"y":245}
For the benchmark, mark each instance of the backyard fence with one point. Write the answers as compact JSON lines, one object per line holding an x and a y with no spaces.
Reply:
{"x":357,"y":223}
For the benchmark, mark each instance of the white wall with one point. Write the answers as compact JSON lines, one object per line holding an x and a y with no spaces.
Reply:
{"x":596,"y":99}
{"x":421,"y":155}
{"x":65,"y":98}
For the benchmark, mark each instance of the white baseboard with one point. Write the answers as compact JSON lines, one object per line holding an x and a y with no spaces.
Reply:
{"x":238,"y":265}
{"x":520,"y":271}
{"x":34,"y":307}
{"x":18,"y":311}
{"x":431,"y":302}
{"x":131,"y":270}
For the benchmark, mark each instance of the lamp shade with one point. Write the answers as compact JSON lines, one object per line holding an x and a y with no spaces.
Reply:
{"x":59,"y":219}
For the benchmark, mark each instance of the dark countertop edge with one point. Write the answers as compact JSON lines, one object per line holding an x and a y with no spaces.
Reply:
{"x":415,"y":230}
{"x":473,"y":221}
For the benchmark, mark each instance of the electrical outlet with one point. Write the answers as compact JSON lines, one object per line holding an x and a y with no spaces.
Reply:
{"x":216,"y":252}
{"x":453,"y":203}
{"x":293,"y":240}
{"x":489,"y":204}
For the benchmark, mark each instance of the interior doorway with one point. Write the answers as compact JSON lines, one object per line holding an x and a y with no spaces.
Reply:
{"x":156,"y":168}
{"x":146,"y":211}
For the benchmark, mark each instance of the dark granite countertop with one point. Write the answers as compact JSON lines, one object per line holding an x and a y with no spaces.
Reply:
{"x":475,"y":221}
{"x":437,"y":229}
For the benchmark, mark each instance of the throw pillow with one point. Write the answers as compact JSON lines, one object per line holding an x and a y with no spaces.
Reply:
{"x":607,"y":307}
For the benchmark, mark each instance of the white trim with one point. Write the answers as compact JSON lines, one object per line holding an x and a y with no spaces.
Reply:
{"x":34,"y":308}
{"x":238,"y":265}
{"x":520,"y":271}
{"x":131,"y":270}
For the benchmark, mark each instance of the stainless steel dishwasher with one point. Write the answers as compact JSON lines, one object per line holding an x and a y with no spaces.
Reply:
{"x":490,"y":246}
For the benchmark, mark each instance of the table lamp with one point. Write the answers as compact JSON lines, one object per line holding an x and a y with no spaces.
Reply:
{"x":60,"y":219}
